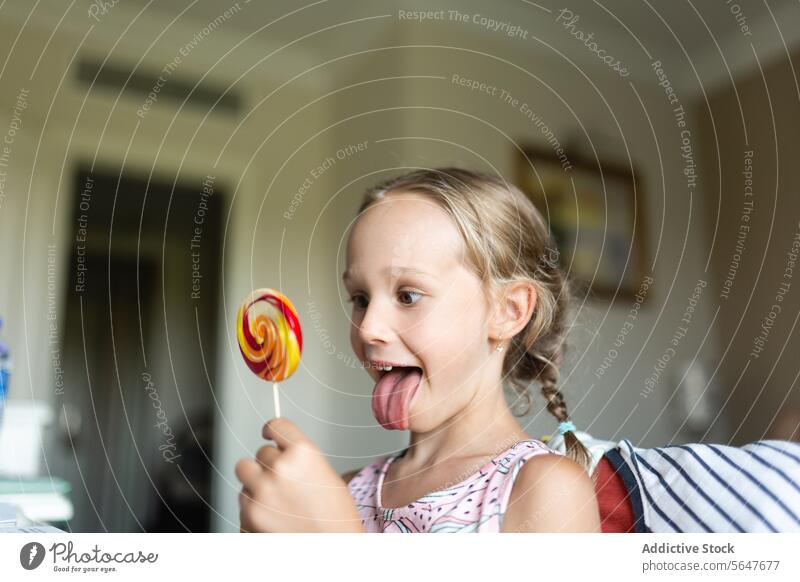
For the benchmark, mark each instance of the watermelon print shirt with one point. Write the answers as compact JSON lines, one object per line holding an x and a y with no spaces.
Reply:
{"x":475,"y":505}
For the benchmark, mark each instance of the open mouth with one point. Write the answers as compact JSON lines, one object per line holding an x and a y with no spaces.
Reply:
{"x":384,"y":372}
{"x":394,"y":394}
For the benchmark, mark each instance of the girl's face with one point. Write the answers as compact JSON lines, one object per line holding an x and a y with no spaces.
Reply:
{"x":416,"y":303}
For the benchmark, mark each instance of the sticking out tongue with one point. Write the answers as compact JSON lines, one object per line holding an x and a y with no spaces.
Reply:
{"x":393,"y":395}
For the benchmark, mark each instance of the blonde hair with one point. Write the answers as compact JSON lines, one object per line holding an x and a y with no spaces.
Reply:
{"x":506,"y":239}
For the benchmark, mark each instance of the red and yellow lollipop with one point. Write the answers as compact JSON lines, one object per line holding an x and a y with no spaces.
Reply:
{"x":270,"y":338}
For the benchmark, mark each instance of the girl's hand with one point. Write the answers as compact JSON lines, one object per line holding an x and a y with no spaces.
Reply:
{"x":292,"y":487}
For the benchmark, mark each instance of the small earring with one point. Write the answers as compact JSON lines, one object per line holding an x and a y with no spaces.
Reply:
{"x":499,"y":345}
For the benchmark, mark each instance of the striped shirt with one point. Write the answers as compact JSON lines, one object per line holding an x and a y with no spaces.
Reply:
{"x":713,"y":487}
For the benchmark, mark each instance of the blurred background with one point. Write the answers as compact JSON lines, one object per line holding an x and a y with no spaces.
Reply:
{"x":160,"y":160}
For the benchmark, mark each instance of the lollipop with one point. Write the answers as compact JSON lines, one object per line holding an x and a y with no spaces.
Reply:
{"x":269,"y":337}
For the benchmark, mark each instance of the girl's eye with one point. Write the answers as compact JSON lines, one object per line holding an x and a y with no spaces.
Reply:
{"x":355,"y":301}
{"x":406,"y":298}
{"x":406,"y":294}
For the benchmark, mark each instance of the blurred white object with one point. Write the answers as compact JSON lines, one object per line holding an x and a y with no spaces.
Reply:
{"x":694,"y":405}
{"x":597,"y":448}
{"x":9,"y":522}
{"x":40,"y":507}
{"x":8,"y":514}
{"x":21,"y":437}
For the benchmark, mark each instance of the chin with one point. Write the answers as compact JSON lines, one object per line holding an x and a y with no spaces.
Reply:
{"x":422,"y":423}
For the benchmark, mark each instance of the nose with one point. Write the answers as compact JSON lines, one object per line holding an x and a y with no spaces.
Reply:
{"x":375,"y":326}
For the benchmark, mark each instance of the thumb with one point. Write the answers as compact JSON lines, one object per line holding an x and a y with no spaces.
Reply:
{"x":284,"y":432}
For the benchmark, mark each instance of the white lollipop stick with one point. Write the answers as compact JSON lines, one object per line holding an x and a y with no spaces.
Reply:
{"x":275,"y":395}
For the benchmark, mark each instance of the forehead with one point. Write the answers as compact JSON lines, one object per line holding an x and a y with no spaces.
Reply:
{"x":404,"y":229}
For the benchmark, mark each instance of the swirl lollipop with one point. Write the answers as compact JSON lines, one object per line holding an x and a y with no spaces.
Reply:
{"x":269,"y":336}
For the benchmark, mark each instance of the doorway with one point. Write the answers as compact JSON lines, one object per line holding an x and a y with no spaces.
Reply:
{"x":140,"y":341}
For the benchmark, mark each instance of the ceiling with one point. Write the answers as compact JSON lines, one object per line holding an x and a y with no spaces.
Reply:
{"x":699,"y":39}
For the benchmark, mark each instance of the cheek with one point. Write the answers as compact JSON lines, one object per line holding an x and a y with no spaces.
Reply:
{"x":451,"y":344}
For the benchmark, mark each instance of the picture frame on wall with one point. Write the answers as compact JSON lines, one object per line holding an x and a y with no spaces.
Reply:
{"x":596,"y":218}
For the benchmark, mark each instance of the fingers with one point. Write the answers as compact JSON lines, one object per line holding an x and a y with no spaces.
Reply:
{"x":284,"y":432}
{"x":251,"y":472}
{"x":245,"y":500}
{"x":266,"y":455}
{"x":248,"y":473}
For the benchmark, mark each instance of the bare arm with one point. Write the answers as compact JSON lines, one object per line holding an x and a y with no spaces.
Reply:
{"x":552,"y":493}
{"x":349,"y":475}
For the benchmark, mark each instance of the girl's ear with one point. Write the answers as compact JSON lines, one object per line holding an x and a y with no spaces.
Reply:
{"x":513,"y":309}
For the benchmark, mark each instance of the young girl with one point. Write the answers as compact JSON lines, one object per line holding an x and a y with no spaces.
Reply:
{"x":455,"y":290}
{"x":455,"y":287}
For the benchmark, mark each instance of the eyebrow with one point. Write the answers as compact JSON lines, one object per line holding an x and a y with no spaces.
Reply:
{"x":346,"y":276}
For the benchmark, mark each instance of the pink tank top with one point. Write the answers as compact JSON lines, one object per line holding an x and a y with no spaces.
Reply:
{"x":475,"y":505}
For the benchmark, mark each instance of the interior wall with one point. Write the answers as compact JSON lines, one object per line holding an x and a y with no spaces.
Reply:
{"x":750,"y":149}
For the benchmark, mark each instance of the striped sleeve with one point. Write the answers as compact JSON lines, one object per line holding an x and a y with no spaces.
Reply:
{"x":718,"y":488}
